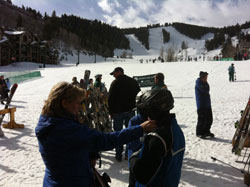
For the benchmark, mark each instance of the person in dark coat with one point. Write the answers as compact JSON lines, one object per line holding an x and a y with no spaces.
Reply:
{"x":159,"y":160}
{"x":121,"y":101}
{"x":3,"y":89}
{"x":159,"y":81}
{"x":65,"y":143}
{"x":204,"y":109}
{"x":231,"y":71}
{"x":75,"y":82}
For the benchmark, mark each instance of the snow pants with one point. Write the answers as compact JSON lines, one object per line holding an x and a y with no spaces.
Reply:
{"x":231,"y":77}
{"x":205,"y":120}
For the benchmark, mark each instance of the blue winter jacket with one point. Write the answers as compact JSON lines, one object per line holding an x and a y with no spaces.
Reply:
{"x":135,"y":144}
{"x":65,"y":144}
{"x":168,"y":173}
{"x":202,"y":94}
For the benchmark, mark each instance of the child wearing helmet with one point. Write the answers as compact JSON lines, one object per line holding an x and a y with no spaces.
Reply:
{"x":158,"y":162}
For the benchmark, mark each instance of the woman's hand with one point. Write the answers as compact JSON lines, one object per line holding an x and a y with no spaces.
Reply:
{"x":149,"y":125}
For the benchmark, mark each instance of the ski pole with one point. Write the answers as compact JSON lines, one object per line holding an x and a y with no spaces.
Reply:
{"x":215,"y":159}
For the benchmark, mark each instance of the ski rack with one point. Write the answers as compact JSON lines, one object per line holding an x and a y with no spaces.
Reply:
{"x":94,"y":111}
{"x":241,"y":142}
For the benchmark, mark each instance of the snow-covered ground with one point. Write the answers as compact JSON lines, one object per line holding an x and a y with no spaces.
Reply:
{"x":21,"y":163}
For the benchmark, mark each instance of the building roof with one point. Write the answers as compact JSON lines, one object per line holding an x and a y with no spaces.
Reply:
{"x":14,"y":32}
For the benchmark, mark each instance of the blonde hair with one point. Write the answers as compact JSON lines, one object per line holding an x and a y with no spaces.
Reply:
{"x":61,"y":91}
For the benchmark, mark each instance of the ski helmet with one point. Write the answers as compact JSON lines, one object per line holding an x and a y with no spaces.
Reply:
{"x":154,"y":103}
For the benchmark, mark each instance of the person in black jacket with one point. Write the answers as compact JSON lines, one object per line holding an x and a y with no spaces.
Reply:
{"x":121,"y":101}
{"x":3,"y":89}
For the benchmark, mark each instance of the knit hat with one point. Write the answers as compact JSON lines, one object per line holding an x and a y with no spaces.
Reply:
{"x":203,"y":74}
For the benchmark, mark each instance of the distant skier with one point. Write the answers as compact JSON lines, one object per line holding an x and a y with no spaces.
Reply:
{"x":204,"y":109}
{"x":231,"y":72}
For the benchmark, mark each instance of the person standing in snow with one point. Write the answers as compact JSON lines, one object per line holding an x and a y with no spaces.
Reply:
{"x":98,"y":82}
{"x":231,"y":71}
{"x":75,"y":82}
{"x":159,"y":81}
{"x":159,"y":160}
{"x":65,"y":143}
{"x":121,"y":101}
{"x":204,"y":109}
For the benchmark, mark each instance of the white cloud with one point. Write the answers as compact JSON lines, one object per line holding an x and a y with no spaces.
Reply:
{"x":117,"y":4}
{"x":129,"y":18}
{"x":105,"y":6}
{"x":145,"y":6}
{"x":124,"y":13}
{"x":217,"y":13}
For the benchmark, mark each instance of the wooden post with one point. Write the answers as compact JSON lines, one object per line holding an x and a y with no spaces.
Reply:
{"x":12,"y":124}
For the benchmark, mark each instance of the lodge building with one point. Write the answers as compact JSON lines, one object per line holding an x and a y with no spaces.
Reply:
{"x":24,"y":46}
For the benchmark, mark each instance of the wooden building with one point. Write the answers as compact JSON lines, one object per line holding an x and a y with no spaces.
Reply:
{"x":244,"y":46}
{"x":24,"y":46}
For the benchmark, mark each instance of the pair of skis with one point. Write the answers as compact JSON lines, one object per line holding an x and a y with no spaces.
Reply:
{"x":242,"y":134}
{"x":12,"y":91}
{"x":95,"y":110}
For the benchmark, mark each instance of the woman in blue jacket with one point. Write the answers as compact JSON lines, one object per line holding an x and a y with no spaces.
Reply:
{"x":64,"y":143}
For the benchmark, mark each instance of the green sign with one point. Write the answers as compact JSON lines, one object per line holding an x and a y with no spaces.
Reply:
{"x":145,"y":80}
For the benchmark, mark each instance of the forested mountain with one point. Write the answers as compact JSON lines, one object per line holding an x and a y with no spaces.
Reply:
{"x":193,"y":31}
{"x":223,"y":35}
{"x":12,"y":16}
{"x":94,"y":36}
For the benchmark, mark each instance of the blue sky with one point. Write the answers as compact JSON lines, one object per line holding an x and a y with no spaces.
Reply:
{"x":136,"y":13}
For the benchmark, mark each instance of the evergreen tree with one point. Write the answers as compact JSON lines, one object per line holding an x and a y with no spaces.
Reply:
{"x":53,"y":15}
{"x":19,"y":21}
{"x":166,"y":36}
{"x":184,"y":45}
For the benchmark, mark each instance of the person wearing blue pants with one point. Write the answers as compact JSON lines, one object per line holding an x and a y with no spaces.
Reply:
{"x":121,"y":101}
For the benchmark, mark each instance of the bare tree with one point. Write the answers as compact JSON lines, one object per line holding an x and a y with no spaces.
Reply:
{"x":124,"y":54}
{"x":162,"y":52}
{"x":170,"y":57}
